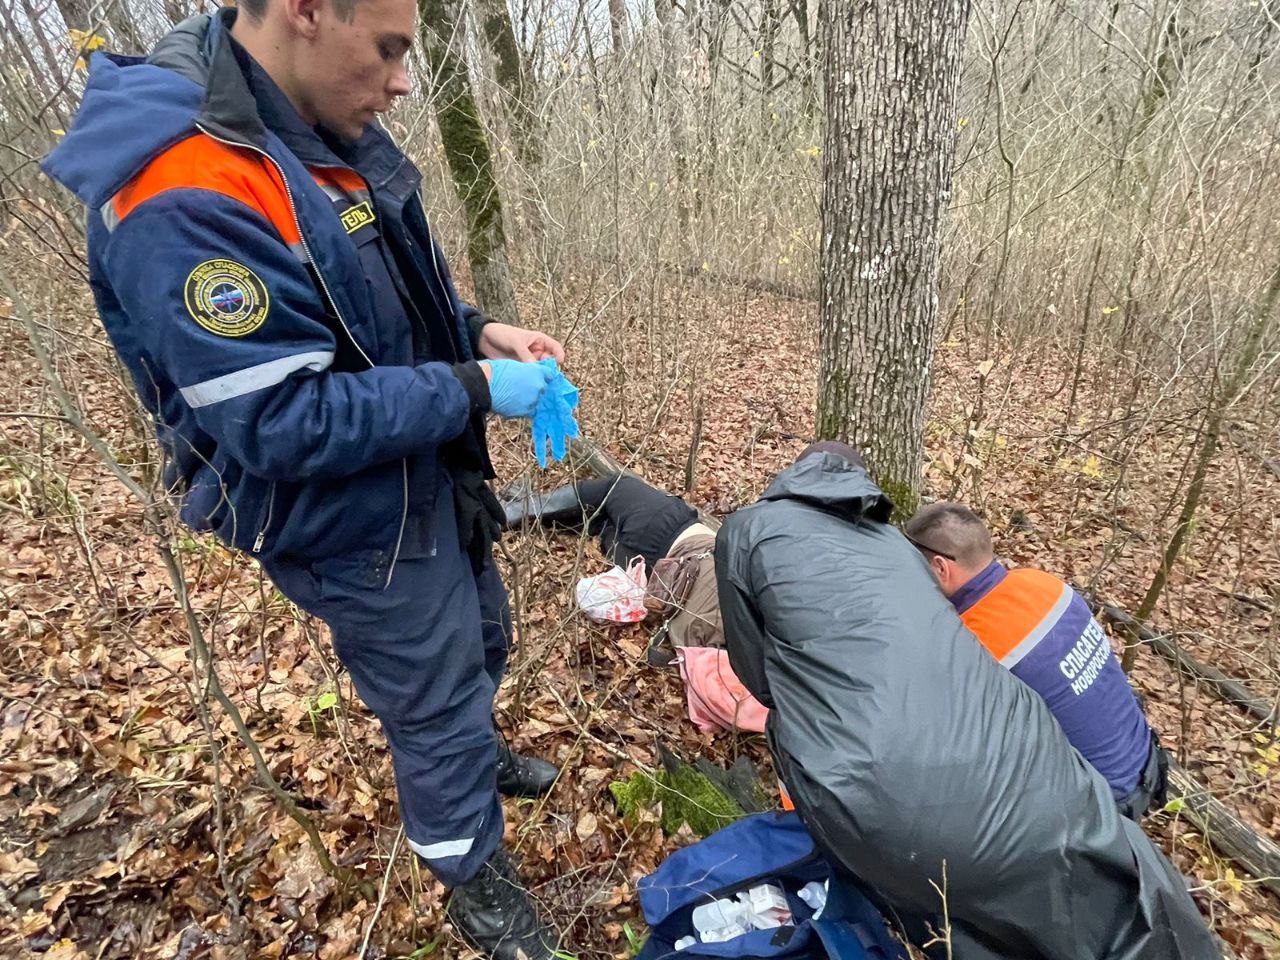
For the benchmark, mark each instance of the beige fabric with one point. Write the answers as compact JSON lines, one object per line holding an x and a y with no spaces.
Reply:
{"x":698,"y":529}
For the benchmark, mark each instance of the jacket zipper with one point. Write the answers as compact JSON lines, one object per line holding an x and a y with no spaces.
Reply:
{"x":293,"y":209}
{"x":431,"y":240}
{"x":266,"y":525}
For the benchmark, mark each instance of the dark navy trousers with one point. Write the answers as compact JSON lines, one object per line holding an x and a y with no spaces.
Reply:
{"x":426,"y":652}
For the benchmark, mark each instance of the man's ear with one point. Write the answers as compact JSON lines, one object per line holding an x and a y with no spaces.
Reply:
{"x":303,"y":16}
{"x":939,"y":565}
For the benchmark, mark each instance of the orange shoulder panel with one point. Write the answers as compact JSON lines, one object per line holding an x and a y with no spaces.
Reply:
{"x":1012,"y":610}
{"x":202,"y":163}
{"x":339,"y":177}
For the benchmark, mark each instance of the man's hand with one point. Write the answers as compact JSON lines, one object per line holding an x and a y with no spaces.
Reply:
{"x":501,"y":341}
{"x":514,"y":387}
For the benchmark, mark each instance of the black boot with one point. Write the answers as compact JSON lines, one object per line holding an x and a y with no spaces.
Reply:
{"x":493,"y":913}
{"x":561,"y":507}
{"x":521,"y":776}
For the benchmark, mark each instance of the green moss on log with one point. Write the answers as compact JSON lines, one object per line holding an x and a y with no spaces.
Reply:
{"x":686,"y":796}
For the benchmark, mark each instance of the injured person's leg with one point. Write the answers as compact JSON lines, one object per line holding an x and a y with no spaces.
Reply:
{"x":560,"y":507}
{"x":631,"y":518}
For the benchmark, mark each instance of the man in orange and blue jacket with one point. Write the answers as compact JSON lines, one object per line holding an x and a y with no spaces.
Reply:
{"x":1043,"y":632}
{"x":263,"y":265}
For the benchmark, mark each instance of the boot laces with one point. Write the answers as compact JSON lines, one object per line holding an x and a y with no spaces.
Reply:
{"x":500,"y":885}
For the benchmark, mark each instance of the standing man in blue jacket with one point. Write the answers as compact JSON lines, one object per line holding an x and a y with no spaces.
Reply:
{"x":263,"y":266}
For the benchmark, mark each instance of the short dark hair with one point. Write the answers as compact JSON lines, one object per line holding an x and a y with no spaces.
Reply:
{"x":951,"y":530}
{"x":257,"y":9}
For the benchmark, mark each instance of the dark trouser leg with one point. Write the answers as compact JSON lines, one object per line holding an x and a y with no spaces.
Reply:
{"x":1152,"y":790}
{"x":569,"y":506}
{"x":635,"y":519}
{"x":631,"y":518}
{"x":422,"y":659}
{"x":516,"y":775}
{"x":495,"y":620}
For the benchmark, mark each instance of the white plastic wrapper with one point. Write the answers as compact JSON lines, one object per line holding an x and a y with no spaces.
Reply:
{"x":615,"y":596}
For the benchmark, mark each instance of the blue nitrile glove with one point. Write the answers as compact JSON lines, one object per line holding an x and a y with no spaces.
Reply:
{"x":553,"y":419}
{"x":515,"y":387}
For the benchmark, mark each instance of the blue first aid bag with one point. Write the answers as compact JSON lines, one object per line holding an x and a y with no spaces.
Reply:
{"x":764,"y":848}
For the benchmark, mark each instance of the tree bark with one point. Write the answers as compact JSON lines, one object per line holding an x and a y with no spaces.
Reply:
{"x":890,"y":88}
{"x":177,"y":10}
{"x":76,"y":14}
{"x":770,"y":26}
{"x":86,"y":26}
{"x":466,"y":149}
{"x":618,"y":25}
{"x":1228,"y":834}
{"x":513,"y":79}
{"x":671,"y":97}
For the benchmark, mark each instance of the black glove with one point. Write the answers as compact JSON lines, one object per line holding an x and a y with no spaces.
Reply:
{"x":479,"y":514}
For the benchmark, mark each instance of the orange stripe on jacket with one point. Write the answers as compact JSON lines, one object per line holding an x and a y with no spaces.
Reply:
{"x":1013,"y":610}
{"x":339,"y":177}
{"x":202,"y":163}
{"x":785,"y":797}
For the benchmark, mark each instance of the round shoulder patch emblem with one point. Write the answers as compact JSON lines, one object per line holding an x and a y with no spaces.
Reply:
{"x":226,"y":298}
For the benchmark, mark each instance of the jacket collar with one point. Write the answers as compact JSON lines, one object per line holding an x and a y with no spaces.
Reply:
{"x":200,"y":49}
{"x":979,"y":585}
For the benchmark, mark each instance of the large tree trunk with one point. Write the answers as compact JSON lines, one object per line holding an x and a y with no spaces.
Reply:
{"x":890,"y":86}
{"x":770,"y":27}
{"x":513,"y":80}
{"x":466,"y":148}
{"x":618,"y":25}
{"x":671,"y":96}
{"x":77,"y":14}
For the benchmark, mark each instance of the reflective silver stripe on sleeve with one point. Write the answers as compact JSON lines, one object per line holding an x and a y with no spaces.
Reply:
{"x":443,"y":849}
{"x":109,"y":216}
{"x":253,"y":378}
{"x":1029,"y":642}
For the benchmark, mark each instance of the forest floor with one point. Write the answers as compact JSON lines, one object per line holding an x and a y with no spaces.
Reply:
{"x":111,"y":813}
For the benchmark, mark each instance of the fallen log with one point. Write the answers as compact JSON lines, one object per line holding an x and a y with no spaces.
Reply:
{"x":1223,"y":686}
{"x":596,"y":459}
{"x":1226,"y":833}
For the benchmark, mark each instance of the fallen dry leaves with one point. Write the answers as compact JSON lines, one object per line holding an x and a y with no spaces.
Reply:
{"x":131,"y":824}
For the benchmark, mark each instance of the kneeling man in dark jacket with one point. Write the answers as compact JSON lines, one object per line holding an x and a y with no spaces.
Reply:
{"x":919,"y":764}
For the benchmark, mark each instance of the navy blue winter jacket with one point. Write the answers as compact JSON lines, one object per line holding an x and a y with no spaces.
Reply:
{"x":297,"y":408}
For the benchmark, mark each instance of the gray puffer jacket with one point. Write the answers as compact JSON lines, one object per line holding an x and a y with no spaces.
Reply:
{"x":913,"y":757}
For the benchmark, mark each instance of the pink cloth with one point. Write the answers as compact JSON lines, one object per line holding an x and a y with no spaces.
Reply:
{"x":716,"y":698}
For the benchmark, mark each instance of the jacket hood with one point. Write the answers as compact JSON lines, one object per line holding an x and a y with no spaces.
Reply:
{"x":133,"y":108}
{"x":833,"y":484}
